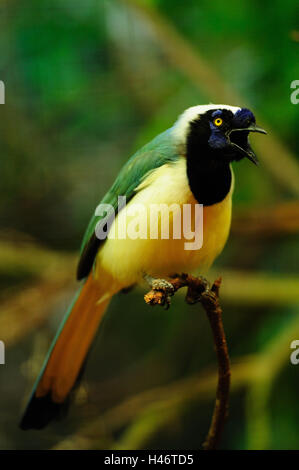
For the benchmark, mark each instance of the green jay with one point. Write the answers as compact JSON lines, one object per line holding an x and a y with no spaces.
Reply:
{"x":188,"y":164}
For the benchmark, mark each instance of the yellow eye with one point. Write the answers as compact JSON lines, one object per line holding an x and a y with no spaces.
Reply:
{"x":218,"y":122}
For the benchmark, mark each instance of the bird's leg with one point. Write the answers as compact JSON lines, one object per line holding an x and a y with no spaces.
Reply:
{"x":161,"y":285}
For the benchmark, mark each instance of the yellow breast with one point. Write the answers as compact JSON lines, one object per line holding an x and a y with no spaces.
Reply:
{"x":133,"y":251}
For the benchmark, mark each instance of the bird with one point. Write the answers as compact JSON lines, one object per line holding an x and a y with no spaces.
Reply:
{"x":189,"y":164}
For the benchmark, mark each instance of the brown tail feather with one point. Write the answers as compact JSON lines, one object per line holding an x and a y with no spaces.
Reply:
{"x":73,"y":343}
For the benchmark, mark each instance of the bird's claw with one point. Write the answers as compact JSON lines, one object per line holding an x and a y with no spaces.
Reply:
{"x":166,"y":290}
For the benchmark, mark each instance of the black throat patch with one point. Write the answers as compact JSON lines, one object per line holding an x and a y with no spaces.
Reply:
{"x":208,"y":169}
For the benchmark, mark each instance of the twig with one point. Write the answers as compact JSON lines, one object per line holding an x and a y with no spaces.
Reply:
{"x":248,"y":372}
{"x":198,"y":291}
{"x":214,"y":312}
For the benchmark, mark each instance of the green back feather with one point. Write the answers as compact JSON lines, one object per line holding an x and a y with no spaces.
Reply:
{"x":160,"y":150}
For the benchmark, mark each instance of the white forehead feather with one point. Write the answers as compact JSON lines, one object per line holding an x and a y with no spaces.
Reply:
{"x":181,"y":126}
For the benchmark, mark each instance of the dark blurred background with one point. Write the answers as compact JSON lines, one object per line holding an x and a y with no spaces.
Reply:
{"x":86,"y":83}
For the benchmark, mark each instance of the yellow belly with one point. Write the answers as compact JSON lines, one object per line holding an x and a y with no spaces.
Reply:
{"x":125,"y":260}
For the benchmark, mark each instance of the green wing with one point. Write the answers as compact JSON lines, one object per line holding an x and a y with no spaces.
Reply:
{"x":156,"y":153}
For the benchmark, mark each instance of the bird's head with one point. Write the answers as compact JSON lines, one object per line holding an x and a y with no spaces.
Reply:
{"x":217,"y":132}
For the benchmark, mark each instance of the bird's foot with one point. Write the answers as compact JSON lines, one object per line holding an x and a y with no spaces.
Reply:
{"x":161,"y":292}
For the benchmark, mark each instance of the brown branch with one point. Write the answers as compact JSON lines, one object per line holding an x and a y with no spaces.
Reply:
{"x":210,"y":302}
{"x":275,"y":221}
{"x":198,"y":291}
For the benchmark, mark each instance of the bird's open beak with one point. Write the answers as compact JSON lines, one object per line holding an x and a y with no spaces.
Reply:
{"x":242,"y":144}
